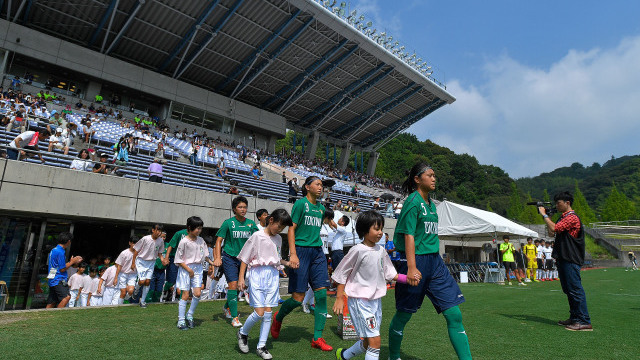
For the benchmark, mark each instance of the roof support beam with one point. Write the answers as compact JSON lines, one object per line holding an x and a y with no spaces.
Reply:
{"x":253,"y":74}
{"x":17,"y":15}
{"x":314,"y":80}
{"x":358,"y":120}
{"x":112,"y":6}
{"x":27,"y":12}
{"x":203,"y":45}
{"x":189,"y":35}
{"x":132,"y":14}
{"x":297,"y":81}
{"x":250,"y":60}
{"x":405,"y":121}
{"x":106,"y":34}
{"x":347,"y":99}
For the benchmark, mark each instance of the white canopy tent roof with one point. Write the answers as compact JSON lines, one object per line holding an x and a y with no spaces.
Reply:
{"x":457,"y":221}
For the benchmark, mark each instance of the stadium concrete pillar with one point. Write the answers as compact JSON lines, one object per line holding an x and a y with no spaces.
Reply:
{"x":312,"y":147}
{"x":272,"y":144}
{"x":3,"y":65}
{"x":344,"y":157}
{"x":373,"y":162}
{"x":93,"y":89}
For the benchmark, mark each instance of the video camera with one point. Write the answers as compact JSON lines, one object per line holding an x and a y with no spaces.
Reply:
{"x":548,"y":207}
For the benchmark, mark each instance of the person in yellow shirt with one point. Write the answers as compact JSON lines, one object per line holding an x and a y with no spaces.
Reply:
{"x":507,"y":249}
{"x":530,"y":254}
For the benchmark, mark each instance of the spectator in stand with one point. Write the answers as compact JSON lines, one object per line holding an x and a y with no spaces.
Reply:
{"x":83,"y":162}
{"x":88,"y":132}
{"x":69,"y":133}
{"x":222,"y":169}
{"x":58,"y":141}
{"x":16,"y":118}
{"x":389,"y":210}
{"x":233,"y":190}
{"x":338,"y":205}
{"x":284,"y":177}
{"x":102,"y":167}
{"x":79,"y":105}
{"x":349,"y":207}
{"x":193,"y":158}
{"x":155,"y":171}
{"x":57,"y":265}
{"x":159,"y":154}
{"x":294,"y":188}
{"x":28,"y":140}
{"x":256,"y":172}
{"x":122,"y":156}
{"x":397,"y":207}
{"x":99,"y":99}
{"x":376,"y":203}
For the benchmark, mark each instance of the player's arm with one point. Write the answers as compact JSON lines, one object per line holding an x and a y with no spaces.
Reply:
{"x":339,"y":304}
{"x":413,"y":274}
{"x":294,"y":262}
{"x":100,"y":285}
{"x":217,"y":252}
{"x":243,"y":270}
{"x":133,"y":261}
{"x":89,"y":299}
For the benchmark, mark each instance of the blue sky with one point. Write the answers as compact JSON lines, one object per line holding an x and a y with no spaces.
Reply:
{"x":528,"y":77}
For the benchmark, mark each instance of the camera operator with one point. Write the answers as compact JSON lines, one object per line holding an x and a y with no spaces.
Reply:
{"x":569,"y":252}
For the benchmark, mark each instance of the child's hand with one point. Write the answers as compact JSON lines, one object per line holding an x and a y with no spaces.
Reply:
{"x":217,"y":262}
{"x":191,"y":273}
{"x":115,"y":282}
{"x":241,"y":284}
{"x":338,"y":306}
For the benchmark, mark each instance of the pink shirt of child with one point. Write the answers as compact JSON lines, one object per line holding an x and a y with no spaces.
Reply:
{"x":109,"y":276}
{"x":365,"y":271}
{"x":124,"y":259}
{"x":86,"y":284}
{"x":93,"y":288}
{"x":75,"y":282}
{"x":261,"y":250}
{"x":191,"y":251}
{"x":148,"y":249}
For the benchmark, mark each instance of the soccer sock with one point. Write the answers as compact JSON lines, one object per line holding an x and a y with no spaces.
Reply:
{"x":120,"y":301}
{"x":212,"y":288}
{"x":182,"y":307}
{"x":253,"y":319}
{"x":528,"y":272}
{"x":167,"y":286}
{"x":264,"y":329}
{"x":396,"y":329}
{"x":320,"y":314}
{"x":232,"y":297}
{"x":355,"y":350}
{"x":192,"y":308}
{"x":286,"y":308}
{"x":145,"y":290}
{"x":308,"y":297}
{"x":457,"y":335}
{"x":372,"y":354}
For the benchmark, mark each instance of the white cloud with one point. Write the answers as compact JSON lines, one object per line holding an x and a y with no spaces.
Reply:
{"x":585,"y":108}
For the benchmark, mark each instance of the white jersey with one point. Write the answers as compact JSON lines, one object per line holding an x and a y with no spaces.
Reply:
{"x":365,"y":271}
{"x":547,"y":252}
{"x":540,"y":252}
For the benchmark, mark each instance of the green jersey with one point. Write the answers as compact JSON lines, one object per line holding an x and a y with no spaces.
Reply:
{"x":175,"y":241}
{"x":235,"y":233}
{"x":508,"y":254}
{"x":308,"y":218}
{"x":420,"y":219}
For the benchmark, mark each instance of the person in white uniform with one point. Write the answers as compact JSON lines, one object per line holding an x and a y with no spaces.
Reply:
{"x":145,"y":253}
{"x":108,"y":285}
{"x":191,"y":253}
{"x":126,"y":272}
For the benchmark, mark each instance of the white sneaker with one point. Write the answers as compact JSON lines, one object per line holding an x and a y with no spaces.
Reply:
{"x":227,"y":312}
{"x":305,"y":308}
{"x":243,"y":343}
{"x":522,"y":284}
{"x":264,"y":353}
{"x":527,"y":280}
{"x":328,"y":316}
{"x":236,"y":322}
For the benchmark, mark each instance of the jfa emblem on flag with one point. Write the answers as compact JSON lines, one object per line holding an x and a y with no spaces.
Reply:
{"x":371,"y":323}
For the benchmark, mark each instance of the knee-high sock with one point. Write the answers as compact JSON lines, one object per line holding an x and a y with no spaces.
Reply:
{"x":396,"y":332}
{"x":145,"y":290}
{"x":286,"y":308}
{"x":232,"y":300}
{"x":182,"y":307}
{"x":355,"y":350}
{"x":120,"y":301}
{"x":253,"y":319}
{"x":320,"y":314}
{"x":212,"y":288}
{"x":192,"y":308}
{"x":265,"y":327}
{"x":457,"y":335}
{"x":308,"y":297}
{"x":372,"y":354}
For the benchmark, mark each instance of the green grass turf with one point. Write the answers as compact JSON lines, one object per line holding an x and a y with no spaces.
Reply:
{"x":503,"y":322}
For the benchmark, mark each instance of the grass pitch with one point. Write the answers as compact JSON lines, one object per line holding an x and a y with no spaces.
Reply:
{"x":503,"y":322}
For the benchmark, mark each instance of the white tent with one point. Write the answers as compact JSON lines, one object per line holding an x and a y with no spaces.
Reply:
{"x":457,"y":221}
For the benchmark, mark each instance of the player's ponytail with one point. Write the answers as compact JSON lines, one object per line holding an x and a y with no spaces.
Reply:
{"x":409,"y":185}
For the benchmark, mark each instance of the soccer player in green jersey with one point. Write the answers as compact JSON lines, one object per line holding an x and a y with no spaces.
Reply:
{"x":416,"y":238}
{"x":307,"y":261}
{"x":235,"y":232}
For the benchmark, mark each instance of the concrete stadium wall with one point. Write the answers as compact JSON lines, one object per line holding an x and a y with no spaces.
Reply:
{"x":57,"y":192}
{"x":47,"y":48}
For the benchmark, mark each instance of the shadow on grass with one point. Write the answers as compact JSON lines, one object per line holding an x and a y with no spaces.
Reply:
{"x":524,"y":317}
{"x":293,"y":334}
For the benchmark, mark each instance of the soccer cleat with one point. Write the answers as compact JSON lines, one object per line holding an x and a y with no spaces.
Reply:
{"x":328,"y":316}
{"x":190,"y":323}
{"x":143,"y":304}
{"x":321,"y":344}
{"x":305,"y":308}
{"x":227,"y":312}
{"x":522,"y":284}
{"x":275,"y":326}
{"x":236,"y":322}
{"x":579,"y":327}
{"x":536,"y":280}
{"x":508,"y":282}
{"x":243,"y":342}
{"x":182,"y":325}
{"x":264,"y":353}
{"x":339,"y":354}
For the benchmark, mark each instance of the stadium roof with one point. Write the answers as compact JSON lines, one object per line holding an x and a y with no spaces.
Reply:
{"x":295,"y":58}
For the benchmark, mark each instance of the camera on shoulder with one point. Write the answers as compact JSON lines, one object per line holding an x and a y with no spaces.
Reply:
{"x":548,"y":207}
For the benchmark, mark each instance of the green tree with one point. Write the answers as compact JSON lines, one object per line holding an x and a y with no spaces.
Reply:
{"x":582,"y":208}
{"x":618,"y":207}
{"x":529,"y":214}
{"x":515,"y":209}
{"x":489,"y":206}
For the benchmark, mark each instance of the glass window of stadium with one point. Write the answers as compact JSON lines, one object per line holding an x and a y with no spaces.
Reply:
{"x":202,"y":119}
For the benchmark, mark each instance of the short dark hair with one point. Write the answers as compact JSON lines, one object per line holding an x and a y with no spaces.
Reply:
{"x":65,"y":237}
{"x":366,"y":221}
{"x":93,"y":269}
{"x":237,"y":200}
{"x":157,"y":227}
{"x":261,"y":212}
{"x":505,"y":237}
{"x":345,"y":219}
{"x":83,"y":265}
{"x":133,"y":239}
{"x":208,"y":240}
{"x":529,"y":238}
{"x":280,"y":216}
{"x":564,"y":196}
{"x":328,"y":214}
{"x":194,"y":222}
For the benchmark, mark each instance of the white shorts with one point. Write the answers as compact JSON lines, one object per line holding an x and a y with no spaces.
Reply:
{"x":72,"y":301}
{"x":366,"y":316}
{"x":184,"y":282}
{"x":145,"y":268}
{"x":110,"y":293}
{"x":95,"y":301}
{"x":125,"y":280}
{"x":264,"y":286}
{"x":83,"y":299}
